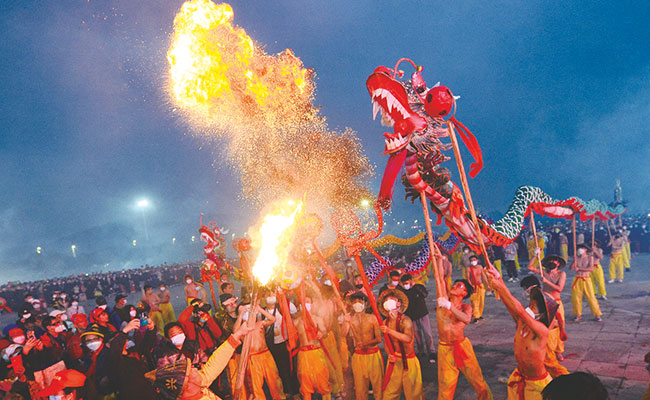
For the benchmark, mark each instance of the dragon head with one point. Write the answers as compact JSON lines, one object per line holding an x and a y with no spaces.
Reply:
{"x":389,"y":96}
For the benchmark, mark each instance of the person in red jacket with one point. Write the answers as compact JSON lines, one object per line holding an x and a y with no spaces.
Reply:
{"x":199,"y":326}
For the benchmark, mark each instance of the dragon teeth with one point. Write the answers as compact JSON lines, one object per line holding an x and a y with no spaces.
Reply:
{"x":375,"y":110}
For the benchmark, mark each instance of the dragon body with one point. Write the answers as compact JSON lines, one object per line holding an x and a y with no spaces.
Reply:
{"x":420,"y":118}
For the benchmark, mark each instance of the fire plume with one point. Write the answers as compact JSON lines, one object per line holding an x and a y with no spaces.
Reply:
{"x":276,"y":239}
{"x":229,"y":88}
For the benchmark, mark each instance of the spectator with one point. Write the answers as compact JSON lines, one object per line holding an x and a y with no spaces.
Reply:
{"x":419,"y":314}
{"x":198,"y":325}
{"x":75,"y":308}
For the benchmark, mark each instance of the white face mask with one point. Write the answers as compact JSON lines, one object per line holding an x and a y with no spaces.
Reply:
{"x":19,"y":340}
{"x":133,"y":313}
{"x":292,"y":308}
{"x":270,"y":300}
{"x":103,"y":306}
{"x":188,"y":281}
{"x":394,"y":283}
{"x":407,"y":286}
{"x":59,"y":328}
{"x":93,"y":346}
{"x":474,"y":262}
{"x":162,"y":288}
{"x":581,"y":251}
{"x":178,"y":340}
{"x":27,"y":316}
{"x":37,"y":306}
{"x":358,"y":307}
{"x":390,"y":305}
{"x":245,"y":316}
{"x":308,"y":306}
{"x":328,"y":282}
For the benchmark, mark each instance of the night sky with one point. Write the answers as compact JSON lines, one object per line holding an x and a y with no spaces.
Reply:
{"x":557,"y":93}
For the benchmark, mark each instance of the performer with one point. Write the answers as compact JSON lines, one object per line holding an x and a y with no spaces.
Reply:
{"x":551,"y":362}
{"x":313,"y":373}
{"x":261,"y":365}
{"x":475,"y":278}
{"x":194,"y":290}
{"x":406,"y":376}
{"x":582,"y":286}
{"x":597,"y":275}
{"x":455,"y":351}
{"x":627,"y":253}
{"x":276,"y":341}
{"x":367,"y":362}
{"x":165,"y":304}
{"x":554,"y":280}
{"x":532,"y":244}
{"x":530,"y":376}
{"x":152,"y":299}
{"x":617,"y":258}
{"x":465,"y":261}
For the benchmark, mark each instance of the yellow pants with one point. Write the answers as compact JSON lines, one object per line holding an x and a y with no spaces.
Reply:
{"x":517,"y":262}
{"x":262,"y":368}
{"x":233,"y":366}
{"x":521,"y":388}
{"x":167,"y":311}
{"x":407,"y":382}
{"x":554,"y":343}
{"x":157,"y":319}
{"x":313,"y":374}
{"x":367,"y":369}
{"x":464,"y":272}
{"x":616,"y":262}
{"x":477,"y":300}
{"x":335,"y":366}
{"x":450,"y":355}
{"x":598,"y":279}
{"x":627,"y":254}
{"x":564,"y":251}
{"x":582,"y":287}
{"x":497,"y":265}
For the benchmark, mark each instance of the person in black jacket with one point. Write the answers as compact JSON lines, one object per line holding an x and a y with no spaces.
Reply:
{"x":419,"y":314}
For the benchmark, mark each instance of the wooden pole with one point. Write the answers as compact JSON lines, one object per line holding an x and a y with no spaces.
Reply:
{"x":468,"y":195}
{"x":609,"y":232}
{"x":575,"y":243}
{"x":441,"y":290}
{"x":539,"y":257}
{"x":593,"y":233}
{"x":214,"y":299}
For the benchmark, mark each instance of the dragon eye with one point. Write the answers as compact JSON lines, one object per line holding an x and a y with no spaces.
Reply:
{"x":420,"y":89}
{"x":429,"y":97}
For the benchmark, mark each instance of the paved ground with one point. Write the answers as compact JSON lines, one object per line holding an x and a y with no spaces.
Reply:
{"x":612,"y":349}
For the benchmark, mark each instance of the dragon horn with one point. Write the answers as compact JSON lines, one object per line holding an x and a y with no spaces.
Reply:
{"x":417,"y":67}
{"x":201,"y":220}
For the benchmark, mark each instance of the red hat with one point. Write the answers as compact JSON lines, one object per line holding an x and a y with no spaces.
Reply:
{"x":63,"y":379}
{"x":16,"y":332}
{"x":76,"y":318}
{"x":94,"y":314}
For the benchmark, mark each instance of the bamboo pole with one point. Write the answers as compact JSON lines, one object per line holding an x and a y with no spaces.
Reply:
{"x":440,"y":286}
{"x":539,"y":257}
{"x":468,"y":195}
{"x":214,"y":299}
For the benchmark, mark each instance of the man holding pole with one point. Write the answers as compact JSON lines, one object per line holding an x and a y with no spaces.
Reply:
{"x":313,"y":373}
{"x":530,"y":376}
{"x":597,"y":275}
{"x":617,"y":258}
{"x":475,"y":278}
{"x":455,"y":351}
{"x":582,"y":286}
{"x":406,"y":376}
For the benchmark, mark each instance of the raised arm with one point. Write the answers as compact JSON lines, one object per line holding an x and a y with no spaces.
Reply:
{"x":405,"y":336}
{"x":514,"y":307}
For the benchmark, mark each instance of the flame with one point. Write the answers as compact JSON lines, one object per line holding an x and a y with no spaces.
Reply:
{"x":227,"y":86}
{"x":215,"y":64}
{"x":275,"y":232}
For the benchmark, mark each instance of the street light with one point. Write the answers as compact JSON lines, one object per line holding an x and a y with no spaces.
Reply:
{"x":134,"y":243}
{"x":74,"y":254}
{"x":38,"y":250}
{"x":142,"y":204}
{"x":173,"y":241}
{"x":365,"y":203}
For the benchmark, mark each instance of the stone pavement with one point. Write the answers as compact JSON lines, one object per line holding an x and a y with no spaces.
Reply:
{"x":613,"y":349}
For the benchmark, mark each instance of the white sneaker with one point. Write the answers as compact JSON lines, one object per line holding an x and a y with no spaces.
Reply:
{"x":611,"y":281}
{"x":619,"y":281}
{"x":603,"y":298}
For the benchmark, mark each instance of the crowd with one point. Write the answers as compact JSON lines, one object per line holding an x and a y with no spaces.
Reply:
{"x":306,"y":341}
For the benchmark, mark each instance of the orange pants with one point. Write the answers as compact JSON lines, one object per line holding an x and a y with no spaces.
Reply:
{"x":313,"y":373}
{"x":263,"y":368}
{"x":233,"y":367}
{"x":477,"y":300}
{"x":404,"y":381}
{"x":334,"y":363}
{"x":524,"y":388}
{"x":367,"y":368}
{"x":456,"y":357}
{"x":554,"y":343}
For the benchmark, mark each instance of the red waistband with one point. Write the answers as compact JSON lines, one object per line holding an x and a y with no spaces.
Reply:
{"x":454,"y":343}
{"x":369,"y":350}
{"x":400,"y":355}
{"x":309,"y":347}
{"x":260,"y":352}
